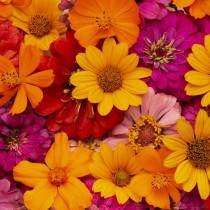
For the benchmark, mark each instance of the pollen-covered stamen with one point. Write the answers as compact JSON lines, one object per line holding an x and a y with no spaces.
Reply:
{"x":103,"y":21}
{"x":12,"y":141}
{"x":57,"y":176}
{"x":121,"y":178}
{"x":159,"y":181}
{"x":110,"y":80}
{"x":199,"y":153}
{"x":39,"y":25}
{"x":10,"y":79}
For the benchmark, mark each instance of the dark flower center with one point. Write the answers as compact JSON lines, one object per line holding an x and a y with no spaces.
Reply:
{"x":12,"y":141}
{"x":57,"y":176}
{"x":121,"y":178}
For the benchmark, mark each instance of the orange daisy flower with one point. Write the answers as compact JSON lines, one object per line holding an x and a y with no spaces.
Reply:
{"x":93,"y":21}
{"x":22,"y":82}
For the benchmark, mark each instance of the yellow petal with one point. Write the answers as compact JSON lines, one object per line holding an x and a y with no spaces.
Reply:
{"x":193,"y":90}
{"x":120,"y":157}
{"x":197,"y":78}
{"x":207,"y":44}
{"x":95,"y":94}
{"x":107,"y":48}
{"x":120,"y":100}
{"x":121,"y":195}
{"x":174,"y":143}
{"x":203,"y":183}
{"x":105,"y":106}
{"x":200,"y":122}
{"x":134,"y":100}
{"x":135,"y":86}
{"x":191,"y":182}
{"x":59,"y":203}
{"x":206,"y":130}
{"x":205,"y":101}
{"x":138,"y":73}
{"x":130,"y":192}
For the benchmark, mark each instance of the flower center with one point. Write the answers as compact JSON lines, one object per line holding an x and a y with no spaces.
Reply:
{"x":159,"y":181}
{"x":121,"y":178}
{"x":12,"y":141}
{"x":144,"y":132}
{"x":110,"y":80}
{"x":199,"y":153}
{"x":39,"y":25}
{"x":10,"y":79}
{"x":57,"y":176}
{"x":103,"y":21}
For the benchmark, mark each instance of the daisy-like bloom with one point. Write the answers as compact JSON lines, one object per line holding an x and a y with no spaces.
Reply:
{"x":191,"y":154}
{"x":197,"y":8}
{"x":23,"y":83}
{"x":147,"y":124}
{"x":109,"y":77}
{"x":7,"y":6}
{"x":114,"y":172}
{"x":156,"y":182}
{"x":198,"y":79}
{"x":56,"y":184}
{"x":40,"y":21}
{"x":93,"y":21}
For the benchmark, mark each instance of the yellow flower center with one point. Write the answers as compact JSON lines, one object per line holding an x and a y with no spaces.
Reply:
{"x":10,"y":79}
{"x":199,"y":153}
{"x":57,"y":176}
{"x":144,"y":132}
{"x":121,"y":178}
{"x":159,"y":181}
{"x":39,"y":25}
{"x":103,"y":21}
{"x":110,"y":80}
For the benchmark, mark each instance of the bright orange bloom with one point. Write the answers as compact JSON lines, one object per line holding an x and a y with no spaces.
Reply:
{"x":22,"y":82}
{"x":6,"y":7}
{"x":94,"y":20}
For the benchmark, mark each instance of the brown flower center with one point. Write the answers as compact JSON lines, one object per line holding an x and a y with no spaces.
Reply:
{"x":103,"y":21}
{"x":12,"y":141}
{"x":121,"y":178}
{"x":57,"y":176}
{"x":159,"y":181}
{"x":39,"y":25}
{"x":10,"y":79}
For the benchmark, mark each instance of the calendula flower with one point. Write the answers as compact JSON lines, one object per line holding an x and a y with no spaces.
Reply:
{"x":156,"y":182}
{"x":191,"y":154}
{"x":114,"y":171}
{"x":40,"y":21}
{"x":197,"y":8}
{"x":198,"y":79}
{"x":109,"y":77}
{"x":93,"y":21}
{"x":23,"y":83}
{"x":56,"y":184}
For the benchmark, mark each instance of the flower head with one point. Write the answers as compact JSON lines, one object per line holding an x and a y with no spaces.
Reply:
{"x":56,"y":184}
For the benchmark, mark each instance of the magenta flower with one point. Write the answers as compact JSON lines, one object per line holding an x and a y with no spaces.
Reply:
{"x":22,"y":137}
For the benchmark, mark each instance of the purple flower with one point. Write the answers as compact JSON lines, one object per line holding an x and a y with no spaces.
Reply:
{"x":163,"y":46}
{"x":204,"y":24}
{"x":22,"y":137}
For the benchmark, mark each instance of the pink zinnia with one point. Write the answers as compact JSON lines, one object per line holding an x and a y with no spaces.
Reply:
{"x":145,"y":125}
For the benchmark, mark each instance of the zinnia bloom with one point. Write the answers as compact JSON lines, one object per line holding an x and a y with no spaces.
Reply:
{"x":56,"y":184}
{"x":191,"y":154}
{"x":109,"y":77}
{"x":22,"y":82}
{"x":40,"y":21}
{"x":93,"y":21}
{"x":197,"y":8}
{"x":156,"y":182}
{"x":147,"y":124}
{"x":114,"y":171}
{"x":198,"y":79}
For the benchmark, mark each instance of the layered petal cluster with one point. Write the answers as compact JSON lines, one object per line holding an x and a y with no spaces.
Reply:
{"x":109,"y":77}
{"x":56,"y":184}
{"x":191,"y":154}
{"x":93,"y":21}
{"x":23,"y":83}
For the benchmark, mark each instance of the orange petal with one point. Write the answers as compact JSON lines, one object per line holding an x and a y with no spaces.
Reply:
{"x":6,"y":65}
{"x":21,"y":3}
{"x":6,"y":11}
{"x":59,"y":203}
{"x":8,"y":95}
{"x":174,"y":193}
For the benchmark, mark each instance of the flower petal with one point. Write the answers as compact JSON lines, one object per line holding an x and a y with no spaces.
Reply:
{"x":200,"y":122}
{"x":105,"y":106}
{"x":203,"y":184}
{"x":121,"y":195}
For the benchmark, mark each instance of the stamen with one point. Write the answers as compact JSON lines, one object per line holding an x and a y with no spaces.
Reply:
{"x":159,"y":181}
{"x":103,"y":21}
{"x":57,"y":176}
{"x":11,"y":79}
{"x":121,"y":178}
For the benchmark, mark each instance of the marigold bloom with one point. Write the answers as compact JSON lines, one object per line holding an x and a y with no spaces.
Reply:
{"x":114,"y":171}
{"x":109,"y":77}
{"x":156,"y":182}
{"x":191,"y":153}
{"x":199,"y":78}
{"x":56,"y":184}
{"x":40,"y":21}
{"x":93,"y":21}
{"x":22,"y":82}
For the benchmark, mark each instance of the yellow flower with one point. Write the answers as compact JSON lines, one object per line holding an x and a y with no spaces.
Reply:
{"x":197,"y":8}
{"x":199,"y":78}
{"x":56,"y":184}
{"x":22,"y":82}
{"x":109,"y":77}
{"x":93,"y":21}
{"x":40,"y":21}
{"x":114,"y":171}
{"x":191,"y":153}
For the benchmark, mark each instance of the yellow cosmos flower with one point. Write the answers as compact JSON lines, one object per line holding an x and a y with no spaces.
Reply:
{"x":114,"y":171}
{"x":56,"y":184}
{"x":199,"y":78}
{"x":109,"y":77}
{"x":191,"y":153}
{"x":156,"y":182}
{"x":197,"y":8}
{"x":93,"y":21}
{"x":22,"y":82}
{"x":40,"y":21}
